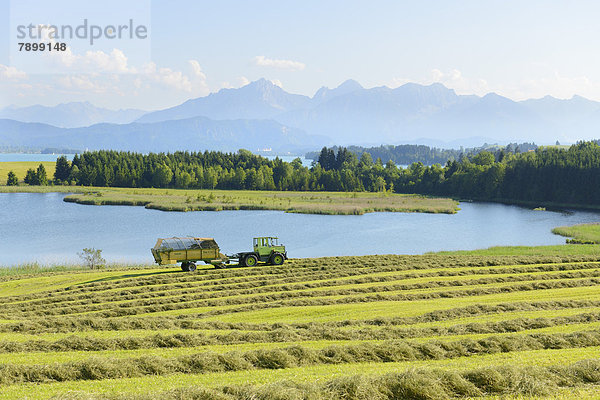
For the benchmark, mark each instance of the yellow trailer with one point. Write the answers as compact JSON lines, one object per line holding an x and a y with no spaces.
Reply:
{"x":188,"y":251}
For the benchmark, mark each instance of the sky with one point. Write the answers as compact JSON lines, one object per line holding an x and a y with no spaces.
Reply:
{"x":517,"y":49}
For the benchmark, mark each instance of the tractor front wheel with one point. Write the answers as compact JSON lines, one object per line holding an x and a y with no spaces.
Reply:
{"x":277,"y":259}
{"x":185,"y":266}
{"x":191,"y":267}
{"x":251,"y":260}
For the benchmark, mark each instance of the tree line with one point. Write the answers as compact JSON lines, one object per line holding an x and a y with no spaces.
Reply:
{"x":406,"y":154}
{"x":569,"y":176}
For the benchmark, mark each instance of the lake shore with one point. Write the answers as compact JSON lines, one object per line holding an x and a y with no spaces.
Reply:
{"x":328,"y":203}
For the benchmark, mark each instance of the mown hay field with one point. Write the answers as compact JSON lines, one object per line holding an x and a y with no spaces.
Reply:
{"x":373,"y":327}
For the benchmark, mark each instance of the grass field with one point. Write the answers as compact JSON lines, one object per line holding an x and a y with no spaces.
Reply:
{"x":584,"y":233}
{"x":217,"y":200}
{"x":436,"y":326}
{"x":20,"y":169}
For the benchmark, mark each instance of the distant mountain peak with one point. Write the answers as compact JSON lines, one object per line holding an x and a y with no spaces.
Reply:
{"x":350,"y":84}
{"x":346,"y":87}
{"x":260,"y":99}
{"x":261,"y":83}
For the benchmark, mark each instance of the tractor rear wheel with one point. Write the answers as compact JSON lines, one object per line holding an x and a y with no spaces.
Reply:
{"x":277,"y":259}
{"x":191,"y":267}
{"x":185,"y":266}
{"x":250,"y":260}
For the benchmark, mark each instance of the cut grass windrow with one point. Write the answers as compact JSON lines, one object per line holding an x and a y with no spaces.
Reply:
{"x":88,"y":323}
{"x":295,"y":271}
{"x":282,"y":334}
{"x":243,"y":297}
{"x":412,"y":384}
{"x":466,"y":275}
{"x":95,"y":368}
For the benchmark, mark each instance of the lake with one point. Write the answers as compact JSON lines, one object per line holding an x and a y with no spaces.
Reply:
{"x":12,"y":157}
{"x":43,"y":228}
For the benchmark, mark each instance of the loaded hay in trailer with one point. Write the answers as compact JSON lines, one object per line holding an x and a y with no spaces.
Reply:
{"x":188,"y":251}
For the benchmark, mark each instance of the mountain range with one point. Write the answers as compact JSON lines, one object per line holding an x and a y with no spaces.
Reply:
{"x":70,"y":115}
{"x":263,"y":115}
{"x":197,"y":134}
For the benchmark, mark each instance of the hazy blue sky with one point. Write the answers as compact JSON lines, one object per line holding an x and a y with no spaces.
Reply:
{"x":515,"y":48}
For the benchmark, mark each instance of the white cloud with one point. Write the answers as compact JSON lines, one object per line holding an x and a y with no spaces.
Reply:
{"x":81,"y":83}
{"x":263,"y":61}
{"x":276,"y":82}
{"x":91,"y":61}
{"x":167,"y":77}
{"x":243,"y":81}
{"x":237,"y":83}
{"x":11,"y":73}
{"x":197,"y":69}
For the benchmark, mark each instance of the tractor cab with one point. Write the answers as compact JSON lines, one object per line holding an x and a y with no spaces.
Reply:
{"x":268,"y":247}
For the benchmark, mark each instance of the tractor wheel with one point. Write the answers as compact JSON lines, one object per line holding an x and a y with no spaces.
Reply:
{"x":185,"y":266}
{"x":191,"y":267}
{"x":251,"y":260}
{"x":277,"y":259}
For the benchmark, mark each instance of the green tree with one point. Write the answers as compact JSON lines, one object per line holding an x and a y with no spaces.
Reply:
{"x":182,"y":179}
{"x":42,"y":177}
{"x":366,"y":161}
{"x":31,"y":177}
{"x":162,"y":176}
{"x":62,"y":171}
{"x":74,"y":174}
{"x":12,"y":179}
{"x":379,"y":184}
{"x":92,"y":258}
{"x":484,"y":158}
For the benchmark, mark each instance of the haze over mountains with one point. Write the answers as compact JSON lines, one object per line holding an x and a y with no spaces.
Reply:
{"x":70,"y":115}
{"x":198,"y":133}
{"x":262,"y":115}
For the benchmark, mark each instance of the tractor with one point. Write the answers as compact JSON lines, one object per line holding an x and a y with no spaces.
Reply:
{"x":190,"y":250}
{"x":266,"y":249}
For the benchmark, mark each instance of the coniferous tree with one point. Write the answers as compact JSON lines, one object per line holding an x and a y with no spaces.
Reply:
{"x":42,"y":178}
{"x":31,"y":177}
{"x":12,"y":179}
{"x":62,"y":171}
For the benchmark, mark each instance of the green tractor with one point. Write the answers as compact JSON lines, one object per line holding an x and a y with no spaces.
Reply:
{"x":266,"y":249}
{"x":189,"y":250}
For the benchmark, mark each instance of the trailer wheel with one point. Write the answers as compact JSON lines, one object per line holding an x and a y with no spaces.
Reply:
{"x":191,"y":267}
{"x":250,"y":260}
{"x":185,"y":266}
{"x":277,"y":259}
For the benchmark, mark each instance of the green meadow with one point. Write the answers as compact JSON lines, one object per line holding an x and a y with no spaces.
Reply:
{"x":217,"y":200}
{"x":519,"y":325}
{"x":583,"y":233}
{"x":20,"y":169}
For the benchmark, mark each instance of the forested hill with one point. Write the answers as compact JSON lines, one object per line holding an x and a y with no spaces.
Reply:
{"x":546,"y":175}
{"x":406,"y":154}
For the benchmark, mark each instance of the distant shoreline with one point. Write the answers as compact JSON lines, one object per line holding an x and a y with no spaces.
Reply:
{"x":327,"y":203}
